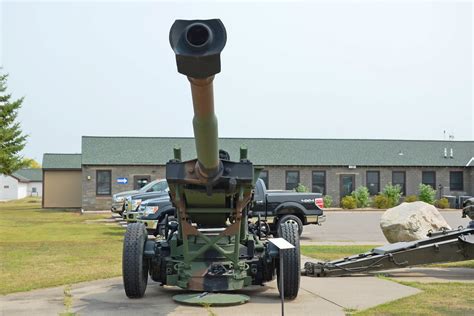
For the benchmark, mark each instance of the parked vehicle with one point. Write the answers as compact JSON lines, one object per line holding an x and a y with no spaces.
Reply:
{"x":133,"y":202}
{"x":118,"y":199}
{"x":154,"y":212}
{"x":278,"y":207}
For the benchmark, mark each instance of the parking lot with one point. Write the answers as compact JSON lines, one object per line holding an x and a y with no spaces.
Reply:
{"x":345,"y":227}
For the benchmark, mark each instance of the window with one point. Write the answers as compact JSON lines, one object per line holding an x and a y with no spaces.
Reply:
{"x":103,"y":182}
{"x":6,"y":186}
{"x":264,"y":176}
{"x":292,"y":179}
{"x":456,"y":181}
{"x":398,"y":177}
{"x":33,"y":190}
{"x":319,"y":182}
{"x":373,"y":182}
{"x":158,"y":187}
{"x":429,"y":178}
{"x":140,"y":181}
{"x":346,"y":184}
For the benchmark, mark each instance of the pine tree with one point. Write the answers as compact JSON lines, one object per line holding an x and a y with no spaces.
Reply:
{"x":12,"y":139}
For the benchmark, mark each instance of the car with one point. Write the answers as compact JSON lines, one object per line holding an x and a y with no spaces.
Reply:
{"x":133,"y":202}
{"x":277,"y":207}
{"x":118,"y":199}
{"x":154,"y":212}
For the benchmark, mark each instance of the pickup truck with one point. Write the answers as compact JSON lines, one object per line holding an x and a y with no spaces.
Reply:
{"x":118,"y":199}
{"x":282,"y":206}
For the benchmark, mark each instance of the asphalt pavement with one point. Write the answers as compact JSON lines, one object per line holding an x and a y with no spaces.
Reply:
{"x":360,"y":227}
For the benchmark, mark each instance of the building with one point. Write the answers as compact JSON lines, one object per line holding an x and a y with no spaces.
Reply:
{"x":62,"y":184}
{"x":22,"y":183}
{"x":330,"y":166}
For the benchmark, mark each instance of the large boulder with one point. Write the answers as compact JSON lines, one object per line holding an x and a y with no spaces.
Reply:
{"x":411,"y":221}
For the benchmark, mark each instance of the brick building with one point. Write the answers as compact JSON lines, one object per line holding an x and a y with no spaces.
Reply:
{"x":331,"y":166}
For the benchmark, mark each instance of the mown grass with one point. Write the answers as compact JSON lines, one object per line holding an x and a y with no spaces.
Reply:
{"x":43,"y":248}
{"x":436,"y":299}
{"x":332,"y":252}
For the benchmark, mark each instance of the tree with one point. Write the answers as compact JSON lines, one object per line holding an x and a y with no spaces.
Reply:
{"x":31,"y":163}
{"x":12,"y":139}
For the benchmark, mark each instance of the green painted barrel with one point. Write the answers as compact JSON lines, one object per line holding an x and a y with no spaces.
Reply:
{"x":197,"y":45}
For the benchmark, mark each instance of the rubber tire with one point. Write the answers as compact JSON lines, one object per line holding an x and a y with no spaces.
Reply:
{"x":134,"y":267}
{"x":291,"y":261}
{"x":292,"y":218}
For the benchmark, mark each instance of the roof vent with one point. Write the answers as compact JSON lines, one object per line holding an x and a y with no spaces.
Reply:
{"x":451,"y":153}
{"x":400,"y":153}
{"x":445,"y":152}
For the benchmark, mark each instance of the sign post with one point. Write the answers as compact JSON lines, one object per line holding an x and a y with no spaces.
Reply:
{"x":282,"y":245}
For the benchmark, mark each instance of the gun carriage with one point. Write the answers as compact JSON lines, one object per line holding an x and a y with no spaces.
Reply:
{"x":212,"y":246}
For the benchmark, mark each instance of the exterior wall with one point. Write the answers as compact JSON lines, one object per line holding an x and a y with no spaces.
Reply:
{"x":90,"y":201}
{"x":62,"y":188}
{"x":276,"y":177}
{"x":8,"y":188}
{"x":22,"y":190}
{"x":38,"y":186}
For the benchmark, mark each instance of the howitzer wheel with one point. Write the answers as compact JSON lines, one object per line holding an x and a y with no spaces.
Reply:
{"x":291,"y":261}
{"x":293,"y":219}
{"x":134,"y":266}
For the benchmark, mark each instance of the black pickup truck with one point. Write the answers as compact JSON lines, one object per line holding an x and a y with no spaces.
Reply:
{"x":282,"y":206}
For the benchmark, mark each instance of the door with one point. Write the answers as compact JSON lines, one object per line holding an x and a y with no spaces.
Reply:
{"x":347,"y":184}
{"x":140,"y":181}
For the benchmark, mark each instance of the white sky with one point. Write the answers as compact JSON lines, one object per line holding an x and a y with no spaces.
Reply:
{"x":296,"y":70}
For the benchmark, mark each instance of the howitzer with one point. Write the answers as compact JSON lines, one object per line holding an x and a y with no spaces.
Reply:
{"x":439,"y":247}
{"x":213,"y":247}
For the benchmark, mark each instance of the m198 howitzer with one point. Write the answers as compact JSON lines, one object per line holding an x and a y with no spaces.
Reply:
{"x":213,"y":247}
{"x":438,"y":247}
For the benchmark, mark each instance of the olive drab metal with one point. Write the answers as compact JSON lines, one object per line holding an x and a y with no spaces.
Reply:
{"x":213,"y":246}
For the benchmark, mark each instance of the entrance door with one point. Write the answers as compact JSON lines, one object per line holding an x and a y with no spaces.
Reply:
{"x":140,"y":181}
{"x":347,"y":184}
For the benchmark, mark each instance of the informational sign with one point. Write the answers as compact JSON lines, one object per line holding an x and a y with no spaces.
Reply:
{"x":122,"y":180}
{"x":281,"y":243}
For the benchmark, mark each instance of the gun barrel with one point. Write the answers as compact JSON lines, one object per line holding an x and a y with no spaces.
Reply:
{"x":205,"y":125}
{"x":197,"y":45}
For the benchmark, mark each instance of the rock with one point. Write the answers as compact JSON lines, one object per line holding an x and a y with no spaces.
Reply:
{"x":411,"y":221}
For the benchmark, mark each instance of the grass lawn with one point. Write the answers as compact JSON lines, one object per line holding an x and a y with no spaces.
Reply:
{"x":43,"y":248}
{"x":436,"y":298}
{"x":330,"y":252}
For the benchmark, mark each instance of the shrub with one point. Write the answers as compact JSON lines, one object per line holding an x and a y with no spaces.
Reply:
{"x":327,"y":199}
{"x":393,"y":194}
{"x":427,"y":193}
{"x":411,"y":198}
{"x":362,"y":196}
{"x":380,"y":201}
{"x":301,"y":188}
{"x":442,"y":203}
{"x":348,"y":202}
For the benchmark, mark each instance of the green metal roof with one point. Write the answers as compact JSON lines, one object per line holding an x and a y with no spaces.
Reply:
{"x":61,"y":161}
{"x":29,"y":175}
{"x":278,"y":151}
